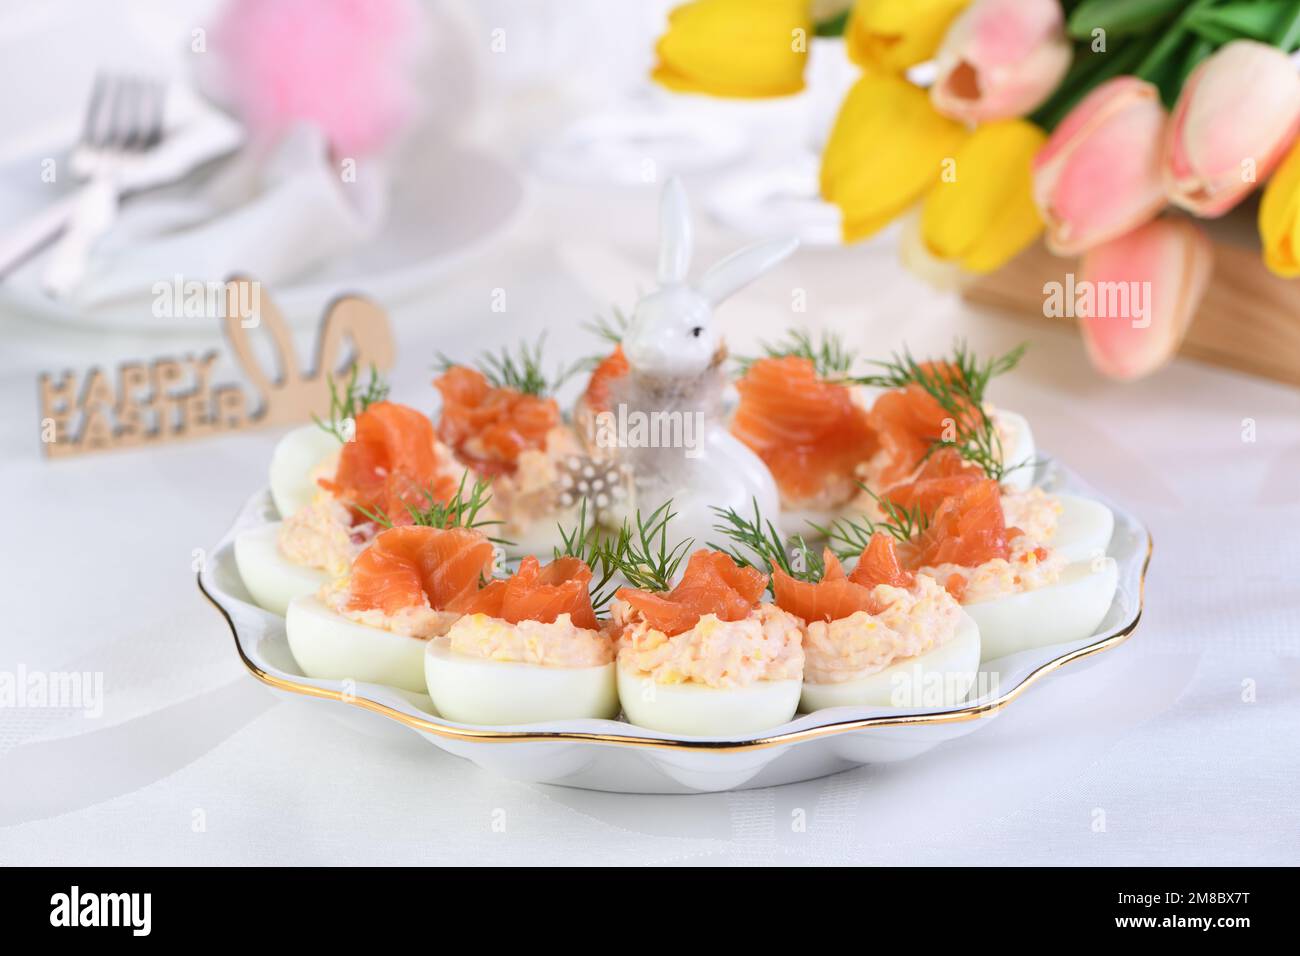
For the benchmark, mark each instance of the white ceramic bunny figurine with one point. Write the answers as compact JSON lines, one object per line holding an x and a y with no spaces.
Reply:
{"x":675,"y":358}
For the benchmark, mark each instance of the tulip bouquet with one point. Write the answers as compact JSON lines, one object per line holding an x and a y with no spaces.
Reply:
{"x":1107,"y":127}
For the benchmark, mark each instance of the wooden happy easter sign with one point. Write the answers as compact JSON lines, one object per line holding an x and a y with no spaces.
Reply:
{"x":170,"y":399}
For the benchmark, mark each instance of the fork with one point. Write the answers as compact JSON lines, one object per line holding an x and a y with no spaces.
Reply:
{"x":124,"y":118}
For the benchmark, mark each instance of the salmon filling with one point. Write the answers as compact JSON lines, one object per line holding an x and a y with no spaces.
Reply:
{"x":766,"y":644}
{"x":557,"y":643}
{"x":322,"y":536}
{"x":709,"y":629}
{"x":909,"y":622}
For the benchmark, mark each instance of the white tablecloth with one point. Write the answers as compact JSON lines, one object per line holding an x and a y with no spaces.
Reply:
{"x":1181,"y":746}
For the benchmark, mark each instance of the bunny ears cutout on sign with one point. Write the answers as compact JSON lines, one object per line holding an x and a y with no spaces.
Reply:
{"x":170,"y":399}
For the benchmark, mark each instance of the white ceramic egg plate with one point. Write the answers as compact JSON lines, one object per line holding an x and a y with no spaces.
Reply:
{"x":613,"y":755}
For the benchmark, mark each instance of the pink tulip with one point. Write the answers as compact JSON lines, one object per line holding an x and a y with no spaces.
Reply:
{"x":1098,"y":175}
{"x":1157,"y":274}
{"x":1236,"y":115}
{"x":1000,"y":59}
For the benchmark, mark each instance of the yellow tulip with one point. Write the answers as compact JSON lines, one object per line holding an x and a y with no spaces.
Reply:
{"x":735,"y":48}
{"x":896,"y":34}
{"x":1279,"y":217}
{"x":985,"y":214}
{"x":885,"y":150}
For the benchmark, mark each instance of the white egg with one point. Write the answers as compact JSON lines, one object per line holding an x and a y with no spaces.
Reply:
{"x":800,"y":521}
{"x":474,"y":690}
{"x":271,"y":578}
{"x":329,"y":646}
{"x":1069,"y":610}
{"x":1083,"y":529}
{"x":939,"y":678}
{"x":540,"y":537}
{"x":701,"y":711}
{"x":296,"y":456}
{"x":1019,"y":450}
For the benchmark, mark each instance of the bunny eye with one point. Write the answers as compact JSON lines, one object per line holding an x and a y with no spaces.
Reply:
{"x":697,"y":331}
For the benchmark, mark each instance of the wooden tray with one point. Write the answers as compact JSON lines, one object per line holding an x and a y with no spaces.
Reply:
{"x":1249,"y":319}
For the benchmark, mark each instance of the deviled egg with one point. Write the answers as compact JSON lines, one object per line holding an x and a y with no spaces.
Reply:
{"x":1021,"y":593}
{"x":393,"y":462}
{"x":287,"y":559}
{"x":706,"y":658}
{"x":881,"y":637}
{"x":527,"y":649}
{"x":406,"y":587}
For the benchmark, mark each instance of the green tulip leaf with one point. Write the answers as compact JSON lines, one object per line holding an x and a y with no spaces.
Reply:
{"x":1120,"y":18}
{"x":1214,"y":33}
{"x":1265,"y":21}
{"x":833,"y":26}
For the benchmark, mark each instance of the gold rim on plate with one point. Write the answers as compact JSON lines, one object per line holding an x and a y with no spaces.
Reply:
{"x":473,"y":735}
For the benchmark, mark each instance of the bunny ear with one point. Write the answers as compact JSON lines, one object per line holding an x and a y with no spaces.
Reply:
{"x":675,"y":237}
{"x":741,"y":268}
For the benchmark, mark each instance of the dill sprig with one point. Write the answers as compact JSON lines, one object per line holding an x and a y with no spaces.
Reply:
{"x":760,"y":538}
{"x":611,"y":329}
{"x":520,"y":370}
{"x":847,"y":537}
{"x":586,"y":543}
{"x":958,"y":385}
{"x":642,"y":554}
{"x":971,"y":375}
{"x":828,"y":354}
{"x":458,"y":511}
{"x":348,"y":400}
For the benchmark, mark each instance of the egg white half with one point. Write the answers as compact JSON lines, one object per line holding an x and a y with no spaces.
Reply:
{"x":699,"y":711}
{"x":541,"y":537}
{"x":1020,"y":450}
{"x":271,"y":578}
{"x":472,"y":690}
{"x":296,"y":455}
{"x":1069,"y":610}
{"x":329,"y":646}
{"x":938,"y":678}
{"x":1083,"y":529}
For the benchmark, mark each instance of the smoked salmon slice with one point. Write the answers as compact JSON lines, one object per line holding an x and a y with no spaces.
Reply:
{"x":405,"y":565}
{"x":489,"y":426}
{"x":807,"y":430}
{"x":391,"y":462}
{"x":944,"y":474}
{"x":712,"y":584}
{"x":535,"y":593}
{"x":879,"y":564}
{"x":968,"y":529}
{"x":612,"y":367}
{"x":909,"y":420}
{"x":836,"y":595}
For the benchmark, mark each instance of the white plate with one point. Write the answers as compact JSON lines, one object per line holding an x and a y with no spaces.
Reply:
{"x":613,"y":755}
{"x":447,"y":201}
